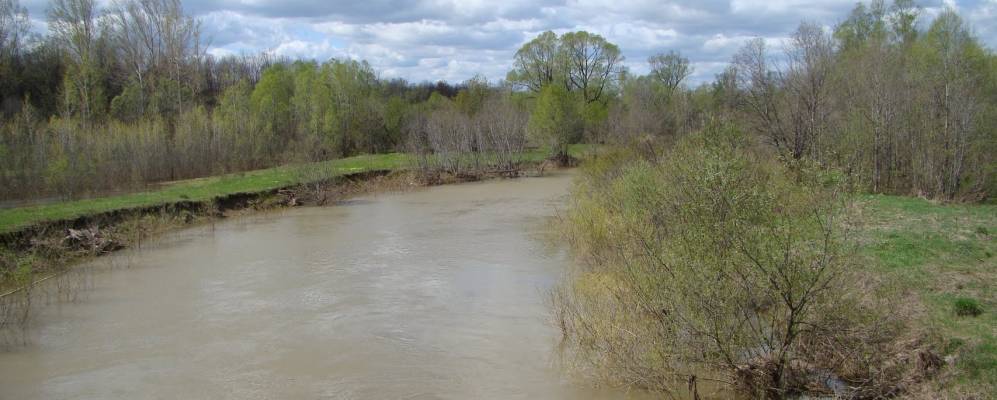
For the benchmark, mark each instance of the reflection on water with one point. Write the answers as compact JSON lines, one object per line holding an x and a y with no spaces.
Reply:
{"x":433,"y":294}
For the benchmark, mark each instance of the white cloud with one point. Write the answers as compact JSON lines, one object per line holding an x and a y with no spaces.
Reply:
{"x":456,"y":39}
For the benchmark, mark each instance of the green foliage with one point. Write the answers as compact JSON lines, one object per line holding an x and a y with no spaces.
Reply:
{"x":130,"y":104}
{"x":84,"y":94}
{"x":271,"y":100}
{"x":396,"y":112}
{"x":538,"y":63}
{"x":556,"y":120}
{"x":16,"y":270}
{"x":965,"y":306}
{"x":470,"y":100}
{"x":720,"y":241}
{"x":583,"y":62}
{"x":314,"y":112}
{"x":169,"y":97}
{"x":201,"y":189}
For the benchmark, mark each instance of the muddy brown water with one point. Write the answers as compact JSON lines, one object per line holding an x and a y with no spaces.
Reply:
{"x":431,"y":294}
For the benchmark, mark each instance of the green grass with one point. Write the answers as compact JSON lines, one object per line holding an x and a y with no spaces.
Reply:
{"x":945,"y":254}
{"x":199,"y":189}
{"x":202,"y":189}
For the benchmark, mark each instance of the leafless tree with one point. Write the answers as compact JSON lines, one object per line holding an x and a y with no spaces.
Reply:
{"x":13,"y":27}
{"x":154,"y":38}
{"x":758,"y":85}
{"x":807,"y":81}
{"x":501,"y":130}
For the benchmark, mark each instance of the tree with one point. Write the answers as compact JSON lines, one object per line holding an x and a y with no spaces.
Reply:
{"x":580,"y":61}
{"x":807,"y":82}
{"x":954,"y":68}
{"x":670,"y":69}
{"x":161,"y":48}
{"x":271,"y":100}
{"x":13,"y":27}
{"x":713,"y":262}
{"x":471,"y":98}
{"x":74,"y":25}
{"x":358,"y":110}
{"x":758,"y":93}
{"x":536,"y":64}
{"x":556,"y":120}
{"x":592,"y":64}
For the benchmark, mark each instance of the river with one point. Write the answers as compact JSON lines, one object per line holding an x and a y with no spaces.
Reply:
{"x":436,"y":293}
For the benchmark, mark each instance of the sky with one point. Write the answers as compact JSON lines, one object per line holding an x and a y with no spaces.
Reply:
{"x":453,"y":40}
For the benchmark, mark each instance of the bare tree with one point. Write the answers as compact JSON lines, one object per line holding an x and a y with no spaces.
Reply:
{"x":74,"y":26}
{"x":155,"y":39}
{"x":807,"y":80}
{"x":501,"y":130}
{"x":759,"y":95}
{"x":13,"y":27}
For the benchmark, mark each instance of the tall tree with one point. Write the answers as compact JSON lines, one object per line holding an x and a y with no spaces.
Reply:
{"x":555,"y":120}
{"x":74,"y":25}
{"x":670,"y":69}
{"x":536,"y":64}
{"x":13,"y":27}
{"x":758,"y":93}
{"x":807,"y":81}
{"x":592,"y":64}
{"x":954,"y":67}
{"x":161,"y":48}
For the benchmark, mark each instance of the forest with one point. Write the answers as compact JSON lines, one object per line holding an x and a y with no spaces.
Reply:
{"x":721,"y":233}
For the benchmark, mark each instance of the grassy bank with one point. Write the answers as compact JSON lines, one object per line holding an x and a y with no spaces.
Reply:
{"x":944,"y":254}
{"x":39,"y":241}
{"x":202,"y":189}
{"x":12,"y":219}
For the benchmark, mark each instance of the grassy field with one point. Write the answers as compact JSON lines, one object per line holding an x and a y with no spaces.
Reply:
{"x":202,"y":189}
{"x":946,"y":255}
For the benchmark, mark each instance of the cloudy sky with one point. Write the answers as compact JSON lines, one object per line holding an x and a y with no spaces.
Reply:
{"x":456,"y":39}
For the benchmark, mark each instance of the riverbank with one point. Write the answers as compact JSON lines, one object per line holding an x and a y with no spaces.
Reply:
{"x":40,"y":240}
{"x":942,"y":258}
{"x":793,"y":284}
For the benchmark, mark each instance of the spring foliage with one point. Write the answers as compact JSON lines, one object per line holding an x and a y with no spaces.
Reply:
{"x":713,"y":262}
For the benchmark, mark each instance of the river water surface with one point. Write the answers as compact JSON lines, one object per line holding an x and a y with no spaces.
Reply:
{"x":431,"y":294}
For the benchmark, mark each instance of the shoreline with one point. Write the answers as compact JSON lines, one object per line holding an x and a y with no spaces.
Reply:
{"x":50,"y":248}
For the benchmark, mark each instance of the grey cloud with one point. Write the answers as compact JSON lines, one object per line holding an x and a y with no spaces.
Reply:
{"x":456,"y":39}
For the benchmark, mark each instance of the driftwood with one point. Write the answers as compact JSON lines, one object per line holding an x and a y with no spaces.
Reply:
{"x":90,"y":239}
{"x":290,"y":197}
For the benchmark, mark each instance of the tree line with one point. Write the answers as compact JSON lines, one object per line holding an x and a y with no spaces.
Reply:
{"x":120,"y":97}
{"x":906,"y":105}
{"x":906,"y":110}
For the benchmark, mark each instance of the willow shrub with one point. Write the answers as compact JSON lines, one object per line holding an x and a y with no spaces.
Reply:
{"x":714,"y":265}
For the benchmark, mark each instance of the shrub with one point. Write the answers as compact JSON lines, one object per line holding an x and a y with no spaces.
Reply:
{"x":718,"y":264}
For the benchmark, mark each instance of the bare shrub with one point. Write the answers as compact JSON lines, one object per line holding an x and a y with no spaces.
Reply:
{"x":446,"y":140}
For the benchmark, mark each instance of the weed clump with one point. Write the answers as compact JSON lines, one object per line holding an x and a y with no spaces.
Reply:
{"x":968,"y":307}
